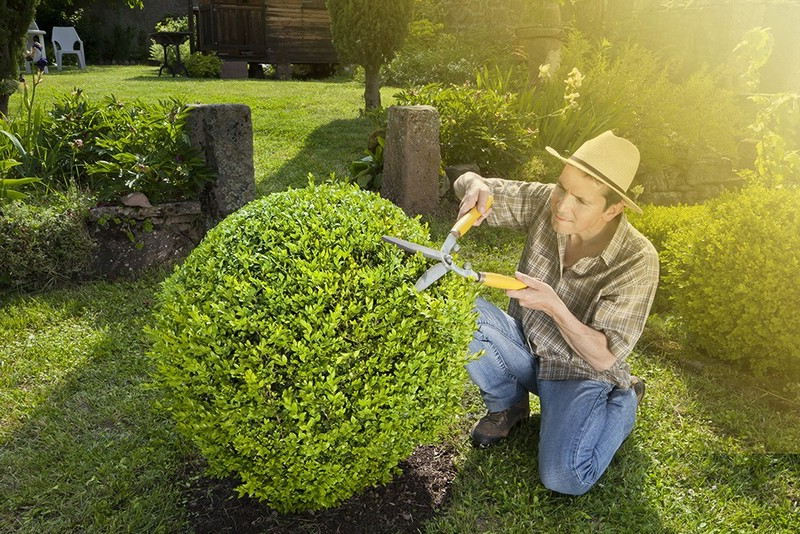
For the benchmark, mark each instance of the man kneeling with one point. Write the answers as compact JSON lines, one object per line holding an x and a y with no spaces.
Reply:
{"x":591,"y":278}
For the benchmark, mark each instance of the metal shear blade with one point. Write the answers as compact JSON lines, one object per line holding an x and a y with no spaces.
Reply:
{"x":408,"y":246}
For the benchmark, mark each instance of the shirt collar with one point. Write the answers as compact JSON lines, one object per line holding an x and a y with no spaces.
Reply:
{"x":614,"y":247}
{"x":609,"y":253}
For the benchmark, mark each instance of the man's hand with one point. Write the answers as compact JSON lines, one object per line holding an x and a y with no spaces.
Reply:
{"x":537,"y":296}
{"x":588,"y":343}
{"x":476,"y":196}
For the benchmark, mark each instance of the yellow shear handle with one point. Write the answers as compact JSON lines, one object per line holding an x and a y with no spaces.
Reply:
{"x":501,"y":281}
{"x":463,"y":225}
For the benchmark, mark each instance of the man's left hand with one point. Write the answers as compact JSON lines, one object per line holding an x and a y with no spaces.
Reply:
{"x":537,"y":296}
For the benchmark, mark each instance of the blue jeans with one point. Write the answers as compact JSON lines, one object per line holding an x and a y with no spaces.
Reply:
{"x":583,"y":422}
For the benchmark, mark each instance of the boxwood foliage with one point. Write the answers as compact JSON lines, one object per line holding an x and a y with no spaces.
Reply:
{"x":658,"y":223}
{"x":733,"y":279}
{"x":296,"y":354}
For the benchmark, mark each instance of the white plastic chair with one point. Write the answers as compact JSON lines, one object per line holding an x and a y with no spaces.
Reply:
{"x":35,"y":35}
{"x":66,"y":41}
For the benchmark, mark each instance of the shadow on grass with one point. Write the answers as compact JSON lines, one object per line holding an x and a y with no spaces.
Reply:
{"x":499,"y":490}
{"x":763,"y":414}
{"x":327,"y":149}
{"x":91,"y":452}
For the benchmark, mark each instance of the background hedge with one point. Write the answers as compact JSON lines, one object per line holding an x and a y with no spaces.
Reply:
{"x":732,"y":276}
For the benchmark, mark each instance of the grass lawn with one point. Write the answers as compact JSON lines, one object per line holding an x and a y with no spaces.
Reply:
{"x":298,"y":127}
{"x":83,"y":446}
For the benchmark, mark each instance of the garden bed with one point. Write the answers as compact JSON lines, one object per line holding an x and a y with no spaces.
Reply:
{"x":402,"y":506}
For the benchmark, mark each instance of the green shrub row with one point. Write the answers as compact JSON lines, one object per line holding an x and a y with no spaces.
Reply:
{"x":730,"y":273}
{"x":295,"y":353}
{"x":43,"y":245}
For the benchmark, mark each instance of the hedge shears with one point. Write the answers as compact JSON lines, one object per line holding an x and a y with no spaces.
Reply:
{"x":445,"y":260}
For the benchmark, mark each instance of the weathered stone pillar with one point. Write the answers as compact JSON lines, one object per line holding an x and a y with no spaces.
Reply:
{"x":411,"y":159}
{"x":224,"y":135}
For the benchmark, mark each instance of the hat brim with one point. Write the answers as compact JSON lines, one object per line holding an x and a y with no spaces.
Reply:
{"x":594,"y":174}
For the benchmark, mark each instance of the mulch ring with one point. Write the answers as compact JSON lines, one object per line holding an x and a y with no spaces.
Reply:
{"x":402,"y":506}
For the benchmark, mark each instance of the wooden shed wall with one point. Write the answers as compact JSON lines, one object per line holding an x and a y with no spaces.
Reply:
{"x":270,"y":31}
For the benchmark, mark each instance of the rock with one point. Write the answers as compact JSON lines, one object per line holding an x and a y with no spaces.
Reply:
{"x":136,"y":199}
{"x":224,"y":135}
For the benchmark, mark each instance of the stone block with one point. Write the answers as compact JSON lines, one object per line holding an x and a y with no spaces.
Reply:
{"x":411,"y":159}
{"x":224,"y":135}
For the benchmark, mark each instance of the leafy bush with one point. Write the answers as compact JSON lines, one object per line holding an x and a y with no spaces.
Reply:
{"x":114,"y":148}
{"x":200,"y":65}
{"x":367,"y":171}
{"x":636,"y":92}
{"x":659,"y":223}
{"x":41,"y":245}
{"x":429,"y":55}
{"x":296,"y":354}
{"x":777,"y":133}
{"x":478,"y":126}
{"x":450,"y":39}
{"x":733,"y":276}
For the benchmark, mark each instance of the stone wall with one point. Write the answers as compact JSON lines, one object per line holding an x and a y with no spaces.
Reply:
{"x":132,"y":239}
{"x":703,"y":180}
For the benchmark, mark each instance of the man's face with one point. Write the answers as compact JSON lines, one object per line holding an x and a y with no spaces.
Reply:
{"x":578,"y":204}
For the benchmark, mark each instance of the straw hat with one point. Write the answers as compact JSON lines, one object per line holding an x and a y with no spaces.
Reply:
{"x":611,"y":159}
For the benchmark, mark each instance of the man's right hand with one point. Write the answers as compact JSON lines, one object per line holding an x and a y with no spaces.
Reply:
{"x":476,"y":196}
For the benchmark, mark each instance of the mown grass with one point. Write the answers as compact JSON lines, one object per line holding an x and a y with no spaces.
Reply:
{"x":298,"y":126}
{"x":83,"y":447}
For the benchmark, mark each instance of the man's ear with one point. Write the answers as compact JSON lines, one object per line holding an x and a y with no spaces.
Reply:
{"x":613,"y":210}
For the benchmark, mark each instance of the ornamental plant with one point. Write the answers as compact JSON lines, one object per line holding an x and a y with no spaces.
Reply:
{"x":369,"y":33}
{"x":200,"y":65}
{"x":294,"y":352}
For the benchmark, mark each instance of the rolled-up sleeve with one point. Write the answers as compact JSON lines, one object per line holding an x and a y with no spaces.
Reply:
{"x":621,"y":313}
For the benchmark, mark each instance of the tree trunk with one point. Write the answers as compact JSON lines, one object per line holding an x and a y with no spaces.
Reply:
{"x":4,"y":105}
{"x":372,"y":87}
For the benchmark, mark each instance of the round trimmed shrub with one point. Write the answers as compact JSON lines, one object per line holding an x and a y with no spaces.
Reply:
{"x":734,"y":278}
{"x":296,"y":354}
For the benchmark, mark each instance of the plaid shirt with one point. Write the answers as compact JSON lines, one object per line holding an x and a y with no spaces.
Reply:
{"x":611,"y":293}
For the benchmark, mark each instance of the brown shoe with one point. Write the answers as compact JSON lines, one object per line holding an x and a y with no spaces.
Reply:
{"x":495,"y":426}
{"x":638,"y":387}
